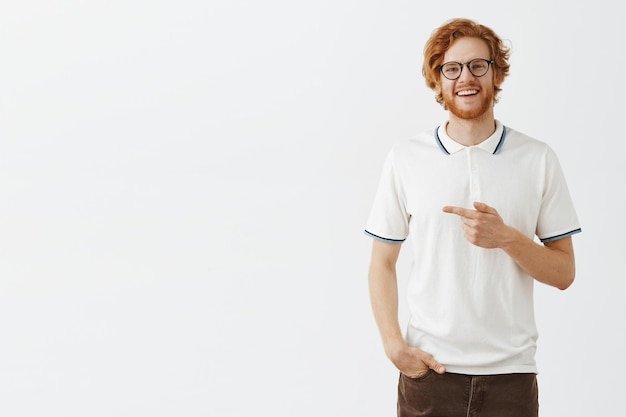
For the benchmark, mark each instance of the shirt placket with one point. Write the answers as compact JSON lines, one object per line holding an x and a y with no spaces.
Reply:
{"x":473,"y":173}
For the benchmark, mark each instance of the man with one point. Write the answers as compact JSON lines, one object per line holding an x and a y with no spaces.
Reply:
{"x":472,"y":194}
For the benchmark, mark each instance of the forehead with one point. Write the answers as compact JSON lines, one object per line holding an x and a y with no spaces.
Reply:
{"x":465,"y":49}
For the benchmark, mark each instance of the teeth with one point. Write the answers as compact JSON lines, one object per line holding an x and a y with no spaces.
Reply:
{"x":467,"y":92}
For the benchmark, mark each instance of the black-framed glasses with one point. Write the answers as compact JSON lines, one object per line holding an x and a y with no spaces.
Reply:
{"x":478,"y":67}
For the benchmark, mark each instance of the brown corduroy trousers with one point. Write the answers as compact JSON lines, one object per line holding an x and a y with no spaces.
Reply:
{"x":457,"y":395}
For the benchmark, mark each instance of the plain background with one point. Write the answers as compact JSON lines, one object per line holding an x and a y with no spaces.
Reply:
{"x":184,"y":186}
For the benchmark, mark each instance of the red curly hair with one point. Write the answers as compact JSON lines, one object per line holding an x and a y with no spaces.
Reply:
{"x":441,"y":39}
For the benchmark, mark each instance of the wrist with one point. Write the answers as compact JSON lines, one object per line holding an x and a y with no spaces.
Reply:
{"x":511,"y":236}
{"x":393,"y":345}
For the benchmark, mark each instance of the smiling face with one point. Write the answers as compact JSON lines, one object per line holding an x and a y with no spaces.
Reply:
{"x":468,"y":97}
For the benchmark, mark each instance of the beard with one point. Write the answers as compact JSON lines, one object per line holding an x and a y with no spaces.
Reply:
{"x":473,"y":113}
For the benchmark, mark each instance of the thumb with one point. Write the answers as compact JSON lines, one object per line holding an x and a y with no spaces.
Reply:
{"x":434,"y":365}
{"x":484,"y":207}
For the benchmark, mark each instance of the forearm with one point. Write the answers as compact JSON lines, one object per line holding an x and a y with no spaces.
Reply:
{"x":384,"y":299}
{"x":552,"y":264}
{"x":383,"y":284}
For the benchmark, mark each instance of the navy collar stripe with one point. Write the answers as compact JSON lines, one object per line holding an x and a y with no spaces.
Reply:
{"x":499,"y":147}
{"x":443,"y":148}
{"x":495,"y":152}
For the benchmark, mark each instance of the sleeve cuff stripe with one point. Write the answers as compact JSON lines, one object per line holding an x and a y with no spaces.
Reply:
{"x":384,"y":239}
{"x":561,"y":236}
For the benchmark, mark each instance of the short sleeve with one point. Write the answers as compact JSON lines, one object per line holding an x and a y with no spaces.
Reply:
{"x":557,"y":216}
{"x":388,"y":219}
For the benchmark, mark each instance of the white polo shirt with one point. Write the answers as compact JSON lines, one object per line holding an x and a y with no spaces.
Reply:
{"x":471,"y":308}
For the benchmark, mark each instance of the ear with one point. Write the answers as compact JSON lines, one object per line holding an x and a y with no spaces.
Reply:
{"x":497,"y":79}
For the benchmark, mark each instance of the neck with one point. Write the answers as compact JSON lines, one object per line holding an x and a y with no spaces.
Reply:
{"x":471,"y":132}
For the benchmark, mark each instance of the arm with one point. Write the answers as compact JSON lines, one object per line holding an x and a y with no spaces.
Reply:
{"x":551,"y":263}
{"x":383,"y":287}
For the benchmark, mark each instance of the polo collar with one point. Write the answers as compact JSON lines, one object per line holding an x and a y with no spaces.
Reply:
{"x":493,"y":144}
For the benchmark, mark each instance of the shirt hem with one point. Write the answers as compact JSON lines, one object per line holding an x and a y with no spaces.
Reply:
{"x":499,"y":370}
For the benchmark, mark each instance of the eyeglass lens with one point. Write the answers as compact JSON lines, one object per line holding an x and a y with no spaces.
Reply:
{"x":478,"y":67}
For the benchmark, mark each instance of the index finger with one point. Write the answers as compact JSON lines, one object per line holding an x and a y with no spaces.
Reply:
{"x":459,"y":211}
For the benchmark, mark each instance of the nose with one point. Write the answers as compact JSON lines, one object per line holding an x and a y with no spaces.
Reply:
{"x":466,"y":74}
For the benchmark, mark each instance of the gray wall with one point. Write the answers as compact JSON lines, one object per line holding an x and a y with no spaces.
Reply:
{"x":183,"y":188}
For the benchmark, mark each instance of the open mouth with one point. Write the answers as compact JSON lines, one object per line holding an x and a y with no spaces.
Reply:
{"x":467,"y":93}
